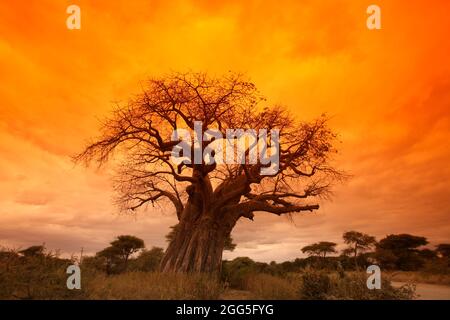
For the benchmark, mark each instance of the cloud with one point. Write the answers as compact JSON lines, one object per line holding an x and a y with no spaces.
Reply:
{"x":387,"y":93}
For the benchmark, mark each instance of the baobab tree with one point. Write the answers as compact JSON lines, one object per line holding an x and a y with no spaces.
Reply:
{"x":210,"y":197}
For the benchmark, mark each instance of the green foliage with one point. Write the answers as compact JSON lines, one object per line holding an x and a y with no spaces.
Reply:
{"x":114,"y":259}
{"x":235,"y":272}
{"x":148,"y":260}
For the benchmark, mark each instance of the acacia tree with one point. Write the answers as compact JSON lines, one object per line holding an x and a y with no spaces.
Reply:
{"x":209,"y":198}
{"x":120,"y":251}
{"x":358,"y":242}
{"x":400,"y":251}
{"x":320,"y":249}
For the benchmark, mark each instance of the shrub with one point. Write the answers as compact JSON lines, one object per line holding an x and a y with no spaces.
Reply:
{"x":315,"y":285}
{"x":318,"y":285}
{"x":148,"y":260}
{"x":34,"y":275}
{"x":236,"y":272}
{"x":354,"y":287}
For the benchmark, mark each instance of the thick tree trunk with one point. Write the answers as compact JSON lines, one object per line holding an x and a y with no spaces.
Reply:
{"x":196,"y":248}
{"x":199,"y":239}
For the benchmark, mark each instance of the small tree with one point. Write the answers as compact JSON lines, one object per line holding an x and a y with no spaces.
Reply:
{"x":320,"y":249}
{"x":117,"y":254}
{"x":127,"y":245}
{"x":110,"y":258}
{"x":358,"y":242}
{"x":400,"y":251}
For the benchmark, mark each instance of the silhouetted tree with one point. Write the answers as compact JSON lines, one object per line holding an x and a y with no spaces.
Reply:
{"x":110,"y":257}
{"x":320,"y":249}
{"x":127,"y":245}
{"x":358,"y":243}
{"x":400,"y":251}
{"x":209,"y":198}
{"x":117,"y":254}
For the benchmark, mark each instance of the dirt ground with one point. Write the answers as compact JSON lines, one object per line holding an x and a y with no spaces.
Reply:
{"x":427,"y":291}
{"x":424,"y":291}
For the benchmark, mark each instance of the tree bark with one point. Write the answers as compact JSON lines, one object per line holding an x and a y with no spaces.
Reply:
{"x":195,"y":249}
{"x":199,"y":241}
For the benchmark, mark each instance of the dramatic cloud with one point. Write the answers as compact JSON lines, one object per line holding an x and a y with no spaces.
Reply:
{"x":386,"y":90}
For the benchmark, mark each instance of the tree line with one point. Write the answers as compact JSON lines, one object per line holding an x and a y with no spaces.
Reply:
{"x":395,"y":251}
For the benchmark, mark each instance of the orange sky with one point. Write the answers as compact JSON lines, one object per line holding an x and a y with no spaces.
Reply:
{"x":387,"y":90}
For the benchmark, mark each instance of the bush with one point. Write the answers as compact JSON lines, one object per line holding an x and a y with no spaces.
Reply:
{"x":315,"y":285}
{"x":236,"y":272}
{"x":318,"y":285}
{"x":37,"y":275}
{"x":354,"y":287}
{"x":148,"y":260}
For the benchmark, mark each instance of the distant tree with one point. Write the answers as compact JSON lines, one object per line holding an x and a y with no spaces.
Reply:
{"x":33,"y":251}
{"x":320,"y":249}
{"x":358,"y":242}
{"x":400,"y":251}
{"x":443,"y":250}
{"x":229,"y":245}
{"x":427,"y":254}
{"x":110,"y":259}
{"x":148,"y":260}
{"x":402,"y":242}
{"x":127,"y":245}
{"x":116,"y":256}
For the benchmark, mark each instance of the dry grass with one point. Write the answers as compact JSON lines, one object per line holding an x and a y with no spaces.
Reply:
{"x":153,"y":286}
{"x":265,"y":286}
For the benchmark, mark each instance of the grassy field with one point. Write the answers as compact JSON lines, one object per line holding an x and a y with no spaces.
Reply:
{"x":309,"y":285}
{"x":45,"y":277}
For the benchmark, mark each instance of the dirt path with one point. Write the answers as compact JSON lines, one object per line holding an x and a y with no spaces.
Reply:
{"x":427,"y":291}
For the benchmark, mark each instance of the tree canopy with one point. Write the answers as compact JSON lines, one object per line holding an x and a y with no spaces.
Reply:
{"x":320,"y":249}
{"x":209,"y":197}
